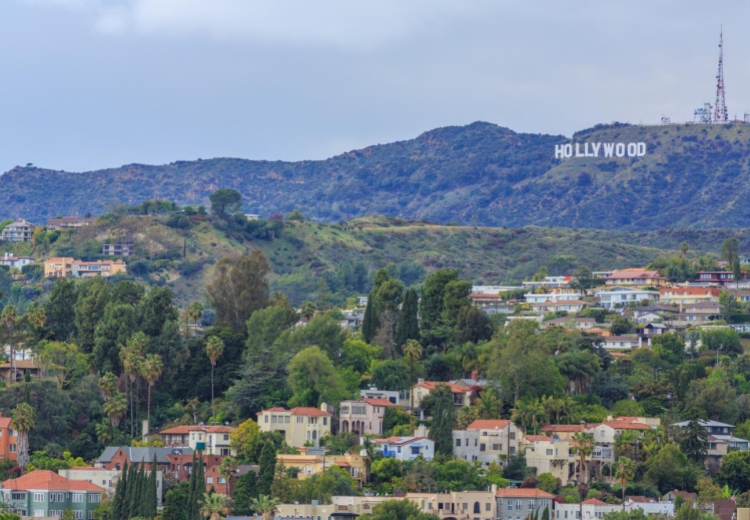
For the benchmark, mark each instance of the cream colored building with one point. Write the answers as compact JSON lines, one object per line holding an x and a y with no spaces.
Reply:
{"x":315,"y":460}
{"x":462,"y":395}
{"x":363,"y":416}
{"x":298,"y":425}
{"x":65,"y":267}
{"x":486,"y":441}
{"x":18,"y":231}
{"x":555,"y":456}
{"x":211,"y":439}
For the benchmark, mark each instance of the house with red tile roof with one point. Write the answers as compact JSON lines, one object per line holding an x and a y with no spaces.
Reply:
{"x":211,"y":439}
{"x":523,"y":503}
{"x":298,"y":425}
{"x":407,"y":447}
{"x":462,"y":395}
{"x":363,"y":416}
{"x":636,"y":278}
{"x":486,"y":441}
{"x":44,"y":493}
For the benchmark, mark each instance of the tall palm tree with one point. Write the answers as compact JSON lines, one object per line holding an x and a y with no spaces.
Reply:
{"x":9,"y":316}
{"x":413,"y":350}
{"x":214,"y":350}
{"x":264,"y":506}
{"x":488,"y":404}
{"x":228,"y":470}
{"x":195,"y":312}
{"x":584,"y":448}
{"x":625,"y":472}
{"x":214,"y":506}
{"x":22,"y":420}
{"x":108,"y":385}
{"x":151,"y":369}
{"x":131,"y":367}
{"x":193,"y":403}
{"x":369,"y":446}
{"x":625,"y":443}
{"x":116,"y":407}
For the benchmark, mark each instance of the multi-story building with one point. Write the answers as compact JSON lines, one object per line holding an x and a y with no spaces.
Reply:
{"x":487,"y":440}
{"x":298,"y":425}
{"x":462,"y":395}
{"x":458,"y":505}
{"x":389,"y":395}
{"x":16,"y":261}
{"x":311,"y":461}
{"x":558,"y":296}
{"x":65,"y":267}
{"x":686,"y":295}
{"x":364,"y":416}
{"x":522,"y":503}
{"x":716,"y":277}
{"x":570,"y":322}
{"x":8,"y":439}
{"x":211,"y":440}
{"x":106,"y":478}
{"x":636,"y":278}
{"x":720,"y":442}
{"x":54,"y":224}
{"x":407,"y":447}
{"x":18,"y":231}
{"x":123,"y":249}
{"x":549,"y":282}
{"x":622,"y":296}
{"x":44,"y":493}
{"x":593,"y":508}
{"x":571,"y":306}
{"x":553,"y":455}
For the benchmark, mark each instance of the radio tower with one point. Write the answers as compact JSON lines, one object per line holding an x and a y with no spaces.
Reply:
{"x":720,"y":112}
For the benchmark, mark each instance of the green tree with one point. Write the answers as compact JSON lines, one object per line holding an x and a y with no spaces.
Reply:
{"x":60,"y":309}
{"x":728,"y":306}
{"x":671,"y":469}
{"x":64,"y":360}
{"x":398,"y":510}
{"x":194,"y":312}
{"x":735,"y":470}
{"x":625,"y":472}
{"x":455,"y":297}
{"x":413,"y":352}
{"x":151,"y":370}
{"x":9,"y":317}
{"x":224,"y":202}
{"x":245,"y":491}
{"x":295,"y":214}
{"x":239,"y":287}
{"x":547,"y":482}
{"x":472,"y":325}
{"x":246,"y":441}
{"x":314,"y":380}
{"x":266,"y":468}
{"x":621,"y":325}
{"x":175,"y":503}
{"x":529,"y":413}
{"x":432,"y":304}
{"x":583,"y":278}
{"x":488,"y":404}
{"x":114,"y":330}
{"x":730,"y":249}
{"x":370,"y":320}
{"x":214,"y":350}
{"x":408,"y":321}
{"x":228,"y":470}
{"x":214,"y":506}
{"x":23,"y":420}
{"x":670,"y":348}
{"x":265,"y":506}
{"x":93,"y":297}
{"x":443,"y":417}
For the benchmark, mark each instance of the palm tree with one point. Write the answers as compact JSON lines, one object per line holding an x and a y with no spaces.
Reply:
{"x":529,"y":412}
{"x":625,"y":472}
{"x":151,"y":369}
{"x":214,"y":506}
{"x":131,"y":366}
{"x":369,"y":446}
{"x":264,"y":506}
{"x":36,"y":317}
{"x":228,"y":470}
{"x":488,"y":404}
{"x":23,"y":421}
{"x":413,"y":350}
{"x":584,"y":448}
{"x":9,"y":317}
{"x":214,"y":350}
{"x":193,"y":403}
{"x":195,"y":312}
{"x":625,"y":443}
{"x":115,"y":408}
{"x":108,"y":385}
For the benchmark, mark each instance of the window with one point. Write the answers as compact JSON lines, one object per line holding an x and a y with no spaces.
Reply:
{"x":477,"y":508}
{"x":77,"y":498}
{"x":95,"y":498}
{"x":512,"y":450}
{"x":518,"y":504}
{"x":265,"y":417}
{"x":78,"y":514}
{"x":458,"y":443}
{"x":226,"y":437}
{"x":510,"y":505}
{"x":38,"y":512}
{"x":481,"y":447}
{"x":566,"y":514}
{"x":56,"y":497}
{"x":286,"y":419}
{"x":300,"y":420}
{"x":601,"y":434}
{"x":12,"y":448}
{"x":18,"y":496}
{"x":325,"y":422}
{"x":273,"y":419}
{"x":91,"y":515}
{"x":495,"y":447}
{"x":549,"y":452}
{"x":488,"y":507}
{"x":209,"y":480}
{"x":512,"y":436}
{"x":221,"y":480}
{"x":531,"y":504}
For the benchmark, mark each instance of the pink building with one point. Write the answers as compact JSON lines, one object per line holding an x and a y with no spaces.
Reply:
{"x":363,"y":416}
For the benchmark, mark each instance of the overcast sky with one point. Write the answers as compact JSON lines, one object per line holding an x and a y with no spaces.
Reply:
{"x":88,"y":84}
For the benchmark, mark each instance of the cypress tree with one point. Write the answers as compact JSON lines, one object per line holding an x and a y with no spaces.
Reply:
{"x":175,"y":502}
{"x":267,"y":468}
{"x":191,"y":498}
{"x":545,"y":513}
{"x":119,"y":500}
{"x":244,"y":491}
{"x":151,"y":500}
{"x":130,"y":493}
{"x":408,"y":321}
{"x":443,"y":416}
{"x":370,"y":320}
{"x":197,"y":488}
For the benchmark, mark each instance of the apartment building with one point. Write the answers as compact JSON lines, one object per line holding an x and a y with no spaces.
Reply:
{"x":522,"y":503}
{"x":636,"y":278}
{"x":487,"y":440}
{"x":8,"y":438}
{"x":211,"y":440}
{"x":623,"y":296}
{"x":363,"y":416}
{"x":298,"y":425}
{"x":18,"y":231}
{"x":56,"y":224}
{"x":552,"y":455}
{"x":686,"y":295}
{"x":44,"y":493}
{"x":70,"y":267}
{"x":593,"y":508}
{"x":123,"y":249}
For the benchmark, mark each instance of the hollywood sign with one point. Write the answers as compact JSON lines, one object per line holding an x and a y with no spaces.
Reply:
{"x":566,"y":151}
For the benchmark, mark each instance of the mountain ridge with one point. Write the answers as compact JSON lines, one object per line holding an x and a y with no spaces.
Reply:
{"x":693,"y":176}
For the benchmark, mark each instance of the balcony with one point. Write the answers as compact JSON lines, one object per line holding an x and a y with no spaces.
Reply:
{"x":387,"y":453}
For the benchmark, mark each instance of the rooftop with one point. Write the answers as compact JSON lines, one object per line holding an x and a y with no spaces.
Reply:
{"x":45,"y":480}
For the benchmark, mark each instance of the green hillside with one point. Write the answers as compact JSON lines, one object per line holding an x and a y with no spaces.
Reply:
{"x":306,"y":252}
{"x":693,"y":176}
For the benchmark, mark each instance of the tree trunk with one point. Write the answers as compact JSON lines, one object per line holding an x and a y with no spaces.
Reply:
{"x":213,"y":410}
{"x":23,"y":449}
{"x":148,"y":413}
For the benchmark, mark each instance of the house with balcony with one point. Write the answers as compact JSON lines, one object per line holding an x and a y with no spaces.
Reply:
{"x":44,"y":493}
{"x":120,"y":249}
{"x":717,"y":277}
{"x":18,"y":231}
{"x":720,"y":442}
{"x":488,"y":303}
{"x":56,"y":224}
{"x":681,"y":296}
{"x":626,"y":342}
{"x":70,"y":267}
{"x":486,"y":441}
{"x":211,"y":439}
{"x":458,"y":505}
{"x":408,"y":447}
{"x":549,"y":283}
{"x":552,"y":455}
{"x":523,"y":503}
{"x":363,"y":416}
{"x":571,"y":323}
{"x":636,"y":278}
{"x":389,"y":395}
{"x":620,"y":297}
{"x":299,"y":425}
{"x":546,"y":297}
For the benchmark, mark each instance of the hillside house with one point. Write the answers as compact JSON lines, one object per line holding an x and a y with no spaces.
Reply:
{"x":523,"y":503}
{"x":18,"y":231}
{"x":682,"y":296}
{"x":462,"y":395}
{"x":406,"y":448}
{"x":8,"y":439}
{"x":389,"y":395}
{"x":570,"y":306}
{"x":486,"y":440}
{"x":717,"y":277}
{"x":70,"y":267}
{"x":622,"y":342}
{"x":363,"y":416}
{"x":16,"y":261}
{"x":552,"y":455}
{"x":211,"y":440}
{"x":311,"y":461}
{"x":620,"y":297}
{"x":720,"y":442}
{"x":570,"y":323}
{"x":549,"y":282}
{"x":552,"y":296}
{"x":592,"y":509}
{"x":44,"y":493}
{"x":299,"y":425}
{"x":121,"y":249}
{"x":55,"y":224}
{"x":636,"y":278}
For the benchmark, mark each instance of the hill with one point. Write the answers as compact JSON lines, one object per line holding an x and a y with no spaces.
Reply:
{"x":346,"y":255}
{"x":693,"y":176}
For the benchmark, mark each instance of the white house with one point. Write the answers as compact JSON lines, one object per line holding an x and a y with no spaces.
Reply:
{"x":622,"y":342}
{"x":592,"y":508}
{"x":552,"y":297}
{"x":621,"y":297}
{"x":16,"y":261}
{"x":573,"y":306}
{"x":409,"y":447}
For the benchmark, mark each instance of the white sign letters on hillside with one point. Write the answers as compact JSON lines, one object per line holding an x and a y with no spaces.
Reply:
{"x":566,"y":151}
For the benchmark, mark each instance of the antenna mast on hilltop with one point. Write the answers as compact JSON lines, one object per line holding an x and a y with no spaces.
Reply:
{"x":720,"y":110}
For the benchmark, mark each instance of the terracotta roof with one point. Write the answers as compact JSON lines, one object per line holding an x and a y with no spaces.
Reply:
{"x":625,"y":419}
{"x":537,"y":438}
{"x":674,"y":291}
{"x":595,"y":502}
{"x":48,"y":481}
{"x":177,"y":430}
{"x":430,"y":385}
{"x":627,"y":274}
{"x":522,"y":493}
{"x":184,"y":430}
{"x":377,"y":402}
{"x":399,"y":440}
{"x":310,"y":411}
{"x":724,"y":508}
{"x":638,"y":499}
{"x":488,"y":424}
{"x":562,"y":428}
{"x":627,"y":426}
{"x":275,"y":409}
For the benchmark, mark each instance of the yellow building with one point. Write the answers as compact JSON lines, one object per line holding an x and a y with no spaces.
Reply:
{"x":637,"y":278}
{"x":315,"y":460}
{"x":65,"y":267}
{"x":298,"y":425}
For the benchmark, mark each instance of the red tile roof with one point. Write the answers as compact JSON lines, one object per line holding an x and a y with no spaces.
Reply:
{"x":378,"y":402}
{"x":309,"y":411}
{"x":399,"y":440}
{"x":522,"y":493}
{"x":595,"y":502}
{"x":45,"y":480}
{"x":563,"y":428}
{"x":627,"y":274}
{"x":4,"y":422}
{"x":537,"y":438}
{"x":627,"y":426}
{"x":184,"y":430}
{"x":430,"y":385}
{"x":177,"y":430}
{"x":488,"y":424}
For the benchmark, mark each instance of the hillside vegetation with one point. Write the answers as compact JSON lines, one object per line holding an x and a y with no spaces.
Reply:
{"x":693,"y":176}
{"x":345,"y":255}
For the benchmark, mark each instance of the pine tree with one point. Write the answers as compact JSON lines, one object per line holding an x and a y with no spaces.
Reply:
{"x":118,"y":502}
{"x":370,"y":319}
{"x":245,"y":491}
{"x":267,"y":468}
{"x":408,"y":321}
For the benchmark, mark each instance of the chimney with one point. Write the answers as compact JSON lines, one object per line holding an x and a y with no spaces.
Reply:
{"x":420,"y":380}
{"x":145,"y":431}
{"x":493,"y":488}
